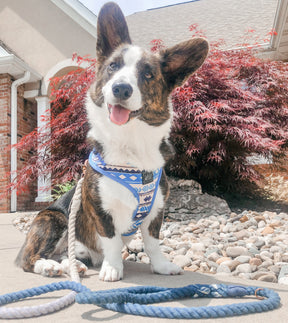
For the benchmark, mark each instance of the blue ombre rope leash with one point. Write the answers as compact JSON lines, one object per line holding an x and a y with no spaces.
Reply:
{"x":134,"y":300}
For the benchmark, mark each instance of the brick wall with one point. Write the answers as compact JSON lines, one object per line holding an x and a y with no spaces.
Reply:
{"x":268,"y":170}
{"x":26,"y":122}
{"x":5,"y":89}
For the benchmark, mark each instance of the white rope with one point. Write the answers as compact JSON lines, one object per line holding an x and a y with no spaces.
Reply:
{"x":38,"y":310}
{"x":76,"y":202}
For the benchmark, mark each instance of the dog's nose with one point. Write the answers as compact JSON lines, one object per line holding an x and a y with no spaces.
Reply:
{"x":122,"y":90}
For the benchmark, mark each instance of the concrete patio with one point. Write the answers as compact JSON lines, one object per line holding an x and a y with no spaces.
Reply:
{"x":13,"y":279}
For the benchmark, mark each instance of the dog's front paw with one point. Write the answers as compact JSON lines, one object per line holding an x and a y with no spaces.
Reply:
{"x":166,"y":268}
{"x":48,"y":267}
{"x":109,"y":273}
{"x":81,"y":268}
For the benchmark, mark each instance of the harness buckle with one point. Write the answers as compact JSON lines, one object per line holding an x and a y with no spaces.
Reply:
{"x":147,"y":177}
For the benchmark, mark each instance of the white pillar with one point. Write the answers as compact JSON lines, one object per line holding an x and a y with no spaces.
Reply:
{"x":43,"y":117}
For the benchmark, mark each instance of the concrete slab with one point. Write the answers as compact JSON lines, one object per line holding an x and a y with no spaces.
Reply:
{"x":14,"y":279}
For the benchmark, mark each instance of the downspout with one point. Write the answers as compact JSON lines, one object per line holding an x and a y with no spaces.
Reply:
{"x":13,"y":103}
{"x":274,"y":37}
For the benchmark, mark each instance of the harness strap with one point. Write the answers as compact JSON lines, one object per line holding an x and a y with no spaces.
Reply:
{"x":142,"y":184}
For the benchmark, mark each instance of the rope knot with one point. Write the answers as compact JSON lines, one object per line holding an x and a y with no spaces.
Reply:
{"x":236,"y":291}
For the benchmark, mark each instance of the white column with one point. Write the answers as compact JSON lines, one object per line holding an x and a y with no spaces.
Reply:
{"x":43,"y":117}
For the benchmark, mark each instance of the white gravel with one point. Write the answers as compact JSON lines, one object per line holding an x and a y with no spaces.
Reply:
{"x":251,"y":245}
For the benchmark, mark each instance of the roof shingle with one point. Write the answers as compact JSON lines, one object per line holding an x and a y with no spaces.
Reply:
{"x":227,"y":19}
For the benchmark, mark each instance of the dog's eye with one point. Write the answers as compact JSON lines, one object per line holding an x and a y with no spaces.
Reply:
{"x":113,"y":67}
{"x":148,"y":75}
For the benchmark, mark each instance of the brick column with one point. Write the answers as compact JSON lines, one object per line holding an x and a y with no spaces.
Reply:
{"x":5,"y":135}
{"x":43,"y":115}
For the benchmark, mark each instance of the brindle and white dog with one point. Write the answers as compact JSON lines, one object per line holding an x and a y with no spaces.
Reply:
{"x":130,"y":117}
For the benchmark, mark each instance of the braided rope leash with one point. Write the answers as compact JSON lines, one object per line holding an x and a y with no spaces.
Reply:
{"x":43,"y":309}
{"x":133,"y":300}
{"x":75,"y":205}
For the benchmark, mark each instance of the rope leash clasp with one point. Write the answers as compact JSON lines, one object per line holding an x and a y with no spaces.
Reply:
{"x":257,"y":296}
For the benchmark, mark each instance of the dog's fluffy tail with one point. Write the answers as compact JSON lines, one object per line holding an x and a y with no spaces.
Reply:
{"x":19,"y":258}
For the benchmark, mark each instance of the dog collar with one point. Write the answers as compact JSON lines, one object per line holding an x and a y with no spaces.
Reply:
{"x":142,"y":184}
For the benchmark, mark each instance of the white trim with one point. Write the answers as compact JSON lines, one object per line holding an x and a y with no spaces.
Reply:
{"x":79,"y":13}
{"x":14,"y":66}
{"x":31,"y":94}
{"x":43,"y":108}
{"x":279,"y":23}
{"x":54,"y":70}
{"x":3,"y":52}
{"x":43,"y":182}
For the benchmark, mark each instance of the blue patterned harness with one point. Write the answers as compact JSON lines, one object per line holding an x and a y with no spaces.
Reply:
{"x":142,"y":184}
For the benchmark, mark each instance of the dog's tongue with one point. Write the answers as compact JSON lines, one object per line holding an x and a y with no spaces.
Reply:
{"x":118,"y":114}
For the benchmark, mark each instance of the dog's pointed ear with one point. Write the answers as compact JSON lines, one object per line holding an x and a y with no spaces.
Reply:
{"x":112,"y":30}
{"x":182,"y":60}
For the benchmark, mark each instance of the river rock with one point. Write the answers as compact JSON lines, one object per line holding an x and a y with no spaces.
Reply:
{"x":193,"y":268}
{"x":275,"y":269}
{"x":266,"y":255}
{"x":255,"y":262}
{"x":131,"y":257}
{"x":136,"y":245}
{"x":223,"y":269}
{"x":222,"y":259}
{"x":198,"y":246}
{"x":285,"y":257}
{"x":244,"y":268}
{"x":145,"y":259}
{"x":214,"y":256}
{"x":232,"y":264}
{"x":243,"y":259}
{"x":182,"y":261}
{"x":236,"y":251}
{"x":240,"y":235}
{"x":186,"y":202}
{"x":267,"y":230}
{"x":259,"y":243}
{"x":283,"y":275}
{"x":271,"y":278}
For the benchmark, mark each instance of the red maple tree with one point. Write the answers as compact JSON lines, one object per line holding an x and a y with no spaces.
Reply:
{"x":234,"y":107}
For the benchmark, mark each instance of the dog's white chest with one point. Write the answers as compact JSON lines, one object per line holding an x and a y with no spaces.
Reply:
{"x":119,"y":202}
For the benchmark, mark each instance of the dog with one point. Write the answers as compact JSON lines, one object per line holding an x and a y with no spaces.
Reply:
{"x":124,"y":187}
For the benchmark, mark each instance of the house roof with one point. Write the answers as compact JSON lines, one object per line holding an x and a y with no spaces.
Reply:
{"x":219,"y":19}
{"x":79,"y":13}
{"x":48,"y":32}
